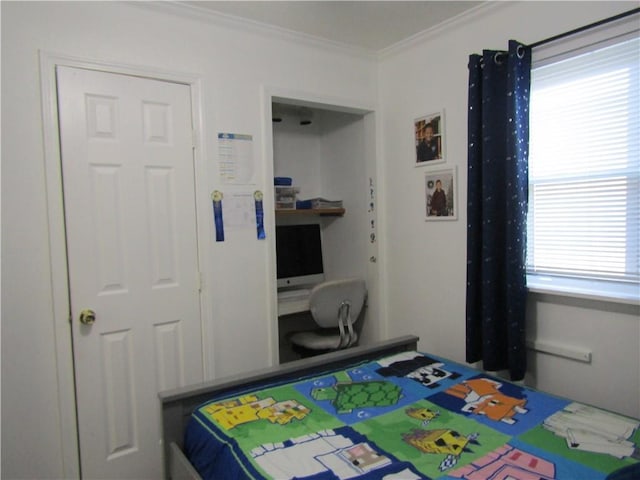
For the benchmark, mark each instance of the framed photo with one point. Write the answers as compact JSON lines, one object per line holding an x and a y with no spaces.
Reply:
{"x":440,"y":194}
{"x":429,"y":139}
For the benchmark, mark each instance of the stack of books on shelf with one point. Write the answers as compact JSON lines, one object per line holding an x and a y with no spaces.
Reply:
{"x":318,"y":203}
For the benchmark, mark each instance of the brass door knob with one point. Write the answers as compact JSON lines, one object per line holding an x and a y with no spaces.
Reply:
{"x":87,"y":317}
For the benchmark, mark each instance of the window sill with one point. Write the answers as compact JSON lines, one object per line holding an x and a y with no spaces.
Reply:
{"x":616,"y":292}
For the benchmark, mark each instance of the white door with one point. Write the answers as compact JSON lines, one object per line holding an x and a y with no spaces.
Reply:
{"x":128,"y":175}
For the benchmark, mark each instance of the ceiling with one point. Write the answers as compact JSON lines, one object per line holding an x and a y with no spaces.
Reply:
{"x":368,"y":25}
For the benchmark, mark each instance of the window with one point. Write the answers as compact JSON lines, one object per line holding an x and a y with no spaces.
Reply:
{"x":584,"y":170}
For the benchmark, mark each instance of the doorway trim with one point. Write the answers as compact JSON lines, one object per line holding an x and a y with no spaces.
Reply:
{"x":60,"y":294}
{"x":373,"y":132}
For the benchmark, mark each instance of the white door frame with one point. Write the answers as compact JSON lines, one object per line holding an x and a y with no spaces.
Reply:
{"x":57,"y":237}
{"x":373,"y":126}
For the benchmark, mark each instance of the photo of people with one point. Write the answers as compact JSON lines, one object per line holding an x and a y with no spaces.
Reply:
{"x":440,"y":188}
{"x":429,"y":139}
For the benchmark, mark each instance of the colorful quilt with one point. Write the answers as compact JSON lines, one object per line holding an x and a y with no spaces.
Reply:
{"x":408,"y":416}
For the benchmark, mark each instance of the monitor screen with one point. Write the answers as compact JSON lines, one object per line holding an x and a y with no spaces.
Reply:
{"x":299,"y":255}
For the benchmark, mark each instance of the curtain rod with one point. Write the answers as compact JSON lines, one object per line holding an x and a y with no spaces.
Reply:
{"x":586,"y":27}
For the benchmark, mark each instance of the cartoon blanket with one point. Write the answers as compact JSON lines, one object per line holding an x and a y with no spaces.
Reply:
{"x":407,"y":416}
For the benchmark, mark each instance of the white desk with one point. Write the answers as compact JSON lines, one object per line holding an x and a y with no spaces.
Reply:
{"x":293,"y":301}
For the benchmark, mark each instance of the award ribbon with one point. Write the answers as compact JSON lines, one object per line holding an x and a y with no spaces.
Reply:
{"x":216,"y":197}
{"x":257,"y":196}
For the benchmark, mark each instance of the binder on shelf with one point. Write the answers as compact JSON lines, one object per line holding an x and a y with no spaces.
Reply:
{"x":283,"y":181}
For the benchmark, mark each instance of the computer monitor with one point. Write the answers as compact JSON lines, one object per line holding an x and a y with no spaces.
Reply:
{"x":299,"y":255}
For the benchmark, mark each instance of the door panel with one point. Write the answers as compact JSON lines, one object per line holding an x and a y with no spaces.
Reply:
{"x":128,"y":174}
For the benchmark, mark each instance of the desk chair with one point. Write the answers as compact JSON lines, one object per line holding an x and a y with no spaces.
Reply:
{"x":335,"y":306}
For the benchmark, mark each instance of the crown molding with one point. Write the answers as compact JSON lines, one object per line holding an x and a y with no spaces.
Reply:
{"x":211,"y":17}
{"x":453,"y":22}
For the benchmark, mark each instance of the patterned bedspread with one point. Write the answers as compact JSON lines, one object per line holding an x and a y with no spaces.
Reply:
{"x":408,"y":416}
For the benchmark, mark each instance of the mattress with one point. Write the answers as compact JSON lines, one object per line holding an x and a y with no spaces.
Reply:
{"x":407,"y":416}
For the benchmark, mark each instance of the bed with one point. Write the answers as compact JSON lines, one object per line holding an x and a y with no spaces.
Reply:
{"x":389,"y":411}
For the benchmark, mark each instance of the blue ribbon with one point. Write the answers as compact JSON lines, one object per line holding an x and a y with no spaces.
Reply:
{"x":216,"y":198}
{"x":259,"y":215}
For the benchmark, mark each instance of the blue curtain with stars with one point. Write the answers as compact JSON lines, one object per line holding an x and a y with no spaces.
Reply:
{"x":498,"y":146}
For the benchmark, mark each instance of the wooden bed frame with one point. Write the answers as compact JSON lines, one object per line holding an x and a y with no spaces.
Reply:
{"x":177,"y":405}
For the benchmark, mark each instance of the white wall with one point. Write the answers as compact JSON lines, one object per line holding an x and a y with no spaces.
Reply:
{"x":426,"y":261}
{"x":234,"y":65}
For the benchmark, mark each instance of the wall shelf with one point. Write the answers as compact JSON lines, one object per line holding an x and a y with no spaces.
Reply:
{"x":322,"y":212}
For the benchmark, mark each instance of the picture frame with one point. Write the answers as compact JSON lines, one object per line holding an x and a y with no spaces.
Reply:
{"x":429,"y":139}
{"x":441,"y":190}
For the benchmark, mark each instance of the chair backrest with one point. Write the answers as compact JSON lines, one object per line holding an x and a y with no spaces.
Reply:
{"x":327,"y":298}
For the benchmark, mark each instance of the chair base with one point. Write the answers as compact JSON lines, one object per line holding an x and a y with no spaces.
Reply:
{"x":306,"y":352}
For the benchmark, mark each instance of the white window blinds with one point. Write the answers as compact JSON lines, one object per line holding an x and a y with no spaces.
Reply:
{"x":584,"y":164}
